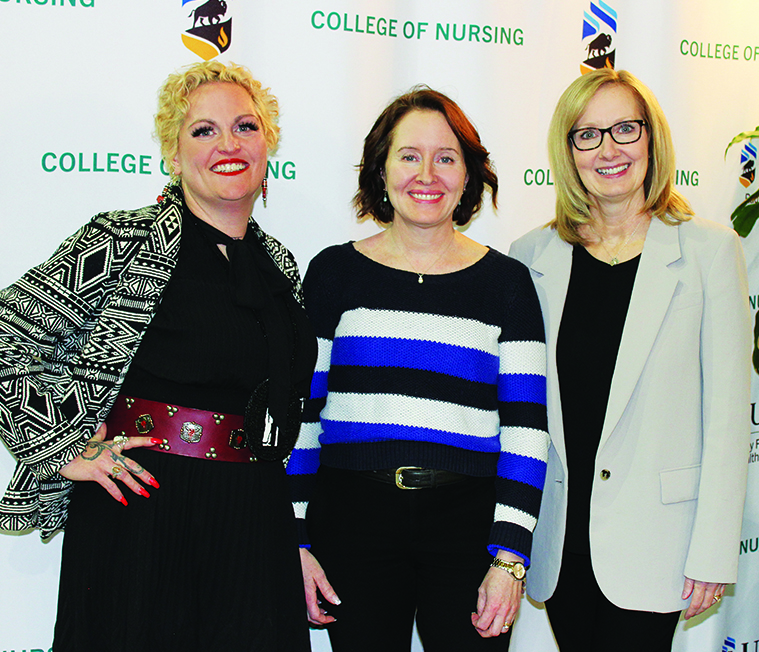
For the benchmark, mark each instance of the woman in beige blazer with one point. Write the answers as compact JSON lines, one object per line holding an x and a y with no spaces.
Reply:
{"x":649,"y":348}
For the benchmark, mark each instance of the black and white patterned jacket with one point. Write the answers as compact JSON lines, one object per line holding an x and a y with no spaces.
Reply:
{"x":68,"y":331}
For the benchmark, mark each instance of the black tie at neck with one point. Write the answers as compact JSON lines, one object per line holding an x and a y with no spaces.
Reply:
{"x":257,"y":283}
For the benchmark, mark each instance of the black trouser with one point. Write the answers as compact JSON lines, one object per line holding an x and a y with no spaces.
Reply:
{"x":583,"y":620}
{"x":394,"y":554}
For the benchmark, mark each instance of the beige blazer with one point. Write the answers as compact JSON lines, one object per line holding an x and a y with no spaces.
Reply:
{"x":670,"y":472}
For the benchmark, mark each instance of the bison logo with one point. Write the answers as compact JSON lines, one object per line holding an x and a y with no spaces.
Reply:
{"x":599,"y":45}
{"x":598,"y":31}
{"x":748,"y":172}
{"x":211,"y":11}
{"x":211,"y":30}
{"x":748,"y":164}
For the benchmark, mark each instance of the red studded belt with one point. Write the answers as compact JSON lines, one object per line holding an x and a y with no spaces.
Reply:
{"x":183,"y":431}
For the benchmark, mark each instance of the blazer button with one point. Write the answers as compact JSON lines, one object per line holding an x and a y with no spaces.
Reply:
{"x":605,"y":474}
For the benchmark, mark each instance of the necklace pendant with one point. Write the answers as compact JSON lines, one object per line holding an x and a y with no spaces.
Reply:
{"x":420,"y":279}
{"x":614,"y":261}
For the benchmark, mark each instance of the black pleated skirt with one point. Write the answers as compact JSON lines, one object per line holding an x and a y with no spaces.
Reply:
{"x":208,"y":563}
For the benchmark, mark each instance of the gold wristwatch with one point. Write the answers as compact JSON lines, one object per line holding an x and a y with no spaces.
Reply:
{"x":515,"y":568}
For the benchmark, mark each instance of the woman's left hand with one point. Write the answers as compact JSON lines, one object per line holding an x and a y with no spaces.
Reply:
{"x":498,"y":600}
{"x":702,"y":594}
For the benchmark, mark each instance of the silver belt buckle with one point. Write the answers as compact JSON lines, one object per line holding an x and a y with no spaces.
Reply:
{"x":399,"y":477}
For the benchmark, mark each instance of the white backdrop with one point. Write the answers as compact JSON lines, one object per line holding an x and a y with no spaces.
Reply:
{"x":79,"y":83}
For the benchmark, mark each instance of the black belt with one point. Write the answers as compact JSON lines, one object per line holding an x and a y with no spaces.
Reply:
{"x":414,"y":477}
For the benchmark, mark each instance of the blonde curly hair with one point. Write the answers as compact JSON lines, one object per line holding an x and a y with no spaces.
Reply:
{"x":174,"y":103}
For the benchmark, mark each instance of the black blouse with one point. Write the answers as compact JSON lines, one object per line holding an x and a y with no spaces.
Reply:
{"x":201,"y":350}
{"x":586,"y":352}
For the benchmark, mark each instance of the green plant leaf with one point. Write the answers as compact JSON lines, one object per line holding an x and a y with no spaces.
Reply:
{"x":746,"y":135}
{"x":745,"y":215}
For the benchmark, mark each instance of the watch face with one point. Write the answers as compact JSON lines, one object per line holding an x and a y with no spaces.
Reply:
{"x":518,"y":570}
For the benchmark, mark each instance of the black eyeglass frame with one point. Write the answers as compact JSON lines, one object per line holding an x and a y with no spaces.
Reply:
{"x":603,"y":132}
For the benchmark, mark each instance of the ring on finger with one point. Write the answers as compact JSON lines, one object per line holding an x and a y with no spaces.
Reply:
{"x":116,"y":471}
{"x":120,"y":440}
{"x":506,"y":626}
{"x":716,"y":598}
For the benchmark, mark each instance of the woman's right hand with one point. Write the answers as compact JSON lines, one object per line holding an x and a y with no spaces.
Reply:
{"x":314,"y":578}
{"x":102,"y":461}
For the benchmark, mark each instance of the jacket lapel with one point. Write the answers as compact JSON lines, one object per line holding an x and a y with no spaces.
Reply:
{"x":652,"y":293}
{"x":552,"y":268}
{"x":129,"y":309}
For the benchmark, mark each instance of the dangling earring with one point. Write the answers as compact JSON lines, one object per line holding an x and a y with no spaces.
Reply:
{"x":162,"y":197}
{"x":384,"y":199}
{"x":265,"y":186}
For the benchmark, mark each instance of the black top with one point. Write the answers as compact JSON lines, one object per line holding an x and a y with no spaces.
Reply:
{"x":201,"y":350}
{"x":586,"y":352}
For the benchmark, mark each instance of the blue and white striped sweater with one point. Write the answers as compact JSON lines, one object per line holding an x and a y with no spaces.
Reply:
{"x":396,"y":387}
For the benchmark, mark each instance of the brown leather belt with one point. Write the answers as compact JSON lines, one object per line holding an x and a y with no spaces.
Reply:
{"x":414,"y":477}
{"x":183,"y":431}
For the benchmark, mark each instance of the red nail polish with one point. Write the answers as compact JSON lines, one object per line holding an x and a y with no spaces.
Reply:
{"x":123,"y":501}
{"x":153,"y":483}
{"x":155,"y":440}
{"x":144,"y":493}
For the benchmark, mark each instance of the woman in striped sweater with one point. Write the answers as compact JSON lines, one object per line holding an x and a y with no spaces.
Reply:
{"x":431,"y":377}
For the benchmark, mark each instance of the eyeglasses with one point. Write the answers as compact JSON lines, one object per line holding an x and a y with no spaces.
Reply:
{"x":623,"y":133}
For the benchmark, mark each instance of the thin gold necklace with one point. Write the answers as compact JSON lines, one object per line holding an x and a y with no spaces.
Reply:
{"x":614,"y":258}
{"x":420,"y":275}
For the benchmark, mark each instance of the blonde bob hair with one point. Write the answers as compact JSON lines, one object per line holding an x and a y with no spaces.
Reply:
{"x":572,"y":199}
{"x":174,"y":103}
